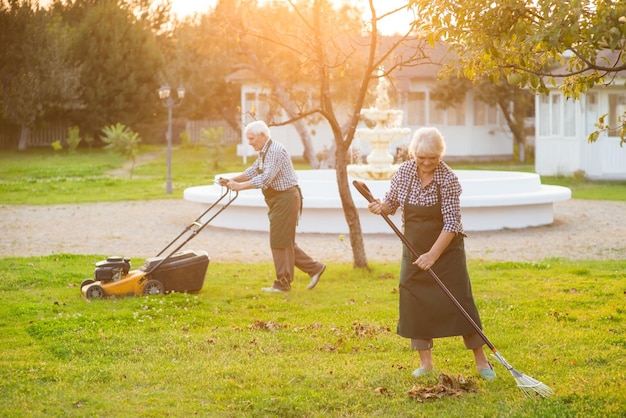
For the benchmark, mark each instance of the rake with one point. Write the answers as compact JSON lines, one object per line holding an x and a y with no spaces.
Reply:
{"x":528,"y":385}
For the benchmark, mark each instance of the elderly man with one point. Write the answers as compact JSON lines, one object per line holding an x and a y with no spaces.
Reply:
{"x":274,"y":174}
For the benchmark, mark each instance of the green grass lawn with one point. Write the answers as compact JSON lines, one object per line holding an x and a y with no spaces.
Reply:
{"x":581,"y":187}
{"x":44,"y":177}
{"x":231,"y":350}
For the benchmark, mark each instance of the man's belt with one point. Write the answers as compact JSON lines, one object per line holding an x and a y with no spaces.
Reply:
{"x":269,"y":192}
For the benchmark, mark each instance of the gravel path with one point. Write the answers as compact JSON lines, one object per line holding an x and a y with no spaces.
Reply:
{"x":582,"y":230}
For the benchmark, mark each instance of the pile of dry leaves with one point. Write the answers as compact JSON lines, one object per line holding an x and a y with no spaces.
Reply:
{"x":446,"y":386}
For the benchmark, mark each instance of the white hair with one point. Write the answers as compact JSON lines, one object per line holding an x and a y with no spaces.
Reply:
{"x":258,"y":127}
{"x":427,"y":141}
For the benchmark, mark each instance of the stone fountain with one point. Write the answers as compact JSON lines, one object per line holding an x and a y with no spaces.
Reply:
{"x":491,"y":200}
{"x":387,"y":128}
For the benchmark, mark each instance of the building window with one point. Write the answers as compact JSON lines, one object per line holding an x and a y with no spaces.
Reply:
{"x":544,"y":116}
{"x":456,"y":114}
{"x":617,"y":107}
{"x":550,"y":114}
{"x":592,"y":102}
{"x":569,"y":117}
{"x":423,"y":109}
{"x":480,"y":117}
{"x":492,"y":115}
{"x":250,"y":107}
{"x":592,"y":112}
{"x":263,"y":105}
{"x":452,"y":114}
{"x":436,"y":115}
{"x":484,"y":114}
{"x":258,"y":106}
{"x":555,"y":114}
{"x":557,"y":117}
{"x":416,"y":109}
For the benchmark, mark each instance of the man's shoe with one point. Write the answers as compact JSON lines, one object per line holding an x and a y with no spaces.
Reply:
{"x":316,"y":277}
{"x":272,"y":290}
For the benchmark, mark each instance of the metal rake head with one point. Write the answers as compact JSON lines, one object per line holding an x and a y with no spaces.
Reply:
{"x":531,"y":386}
{"x":528,"y":385}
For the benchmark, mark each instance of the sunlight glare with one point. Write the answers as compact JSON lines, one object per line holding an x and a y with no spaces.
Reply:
{"x":399,"y":22}
{"x":185,"y":8}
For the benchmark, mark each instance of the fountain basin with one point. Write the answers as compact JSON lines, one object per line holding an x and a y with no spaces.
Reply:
{"x":491,"y":200}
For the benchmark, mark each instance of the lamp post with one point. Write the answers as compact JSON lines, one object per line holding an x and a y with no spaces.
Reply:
{"x":170,"y":103}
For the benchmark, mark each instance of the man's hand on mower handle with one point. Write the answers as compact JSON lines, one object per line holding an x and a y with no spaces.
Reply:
{"x":231,"y":184}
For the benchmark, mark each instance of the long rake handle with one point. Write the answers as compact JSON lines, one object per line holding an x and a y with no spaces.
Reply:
{"x":364,"y":190}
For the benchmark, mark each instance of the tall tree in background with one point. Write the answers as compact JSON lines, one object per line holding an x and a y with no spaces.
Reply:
{"x":82,"y":62}
{"x":319,"y":63}
{"x":531,"y":43}
{"x":200,"y":56}
{"x":37,"y":76}
{"x":514,"y":103}
{"x":120,"y":63}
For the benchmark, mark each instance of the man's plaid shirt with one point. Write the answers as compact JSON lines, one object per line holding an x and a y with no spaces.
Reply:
{"x":273,"y":169}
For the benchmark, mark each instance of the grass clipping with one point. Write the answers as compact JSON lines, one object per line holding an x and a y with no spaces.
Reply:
{"x":447,"y":386}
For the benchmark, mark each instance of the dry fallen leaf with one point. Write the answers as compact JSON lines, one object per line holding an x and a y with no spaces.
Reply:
{"x":447,"y":386}
{"x":381,"y":391}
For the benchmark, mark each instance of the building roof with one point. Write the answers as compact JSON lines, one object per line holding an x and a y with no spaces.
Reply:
{"x":428,"y":63}
{"x":606,"y":58}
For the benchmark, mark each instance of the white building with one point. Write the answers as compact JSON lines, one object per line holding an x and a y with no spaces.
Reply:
{"x":563,"y":126}
{"x":471,"y":128}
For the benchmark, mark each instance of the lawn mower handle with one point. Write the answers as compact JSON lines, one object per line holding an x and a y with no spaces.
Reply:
{"x":367,"y":194}
{"x":196,"y":226}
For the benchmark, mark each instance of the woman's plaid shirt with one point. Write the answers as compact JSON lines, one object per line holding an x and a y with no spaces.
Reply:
{"x":407,"y":187}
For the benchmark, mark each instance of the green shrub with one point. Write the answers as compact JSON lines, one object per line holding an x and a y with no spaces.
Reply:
{"x":213,"y":140}
{"x":73,"y":138}
{"x":123,"y":141}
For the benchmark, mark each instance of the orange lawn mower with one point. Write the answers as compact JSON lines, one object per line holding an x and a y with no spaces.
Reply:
{"x":179,"y":271}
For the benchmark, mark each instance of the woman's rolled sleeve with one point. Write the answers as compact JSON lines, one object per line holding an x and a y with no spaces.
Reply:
{"x":451,"y":206}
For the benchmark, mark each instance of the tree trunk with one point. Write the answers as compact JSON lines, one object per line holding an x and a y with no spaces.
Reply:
{"x":350,"y":211}
{"x":517,"y":129}
{"x":24,"y":137}
{"x":309,"y":152}
{"x":305,"y":137}
{"x":289,"y":106}
{"x":330,"y":160}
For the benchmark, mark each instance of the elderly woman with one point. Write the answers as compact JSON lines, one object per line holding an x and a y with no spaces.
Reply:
{"x":429,"y":193}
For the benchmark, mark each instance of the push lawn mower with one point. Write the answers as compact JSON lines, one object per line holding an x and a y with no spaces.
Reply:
{"x":179,"y":271}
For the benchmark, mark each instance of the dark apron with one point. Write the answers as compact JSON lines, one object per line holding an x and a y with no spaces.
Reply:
{"x":425,"y":310}
{"x":283,"y":210}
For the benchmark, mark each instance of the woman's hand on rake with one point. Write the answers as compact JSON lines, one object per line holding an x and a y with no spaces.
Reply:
{"x":377,"y":207}
{"x":425,"y":261}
